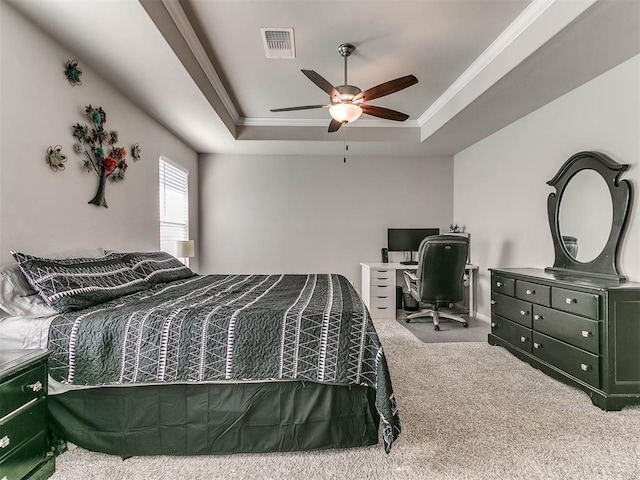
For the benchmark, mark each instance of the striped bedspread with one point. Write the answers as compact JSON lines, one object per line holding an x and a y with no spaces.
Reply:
{"x":228,"y":328}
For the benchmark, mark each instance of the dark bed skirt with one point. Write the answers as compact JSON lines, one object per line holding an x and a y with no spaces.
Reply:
{"x":195,"y":419}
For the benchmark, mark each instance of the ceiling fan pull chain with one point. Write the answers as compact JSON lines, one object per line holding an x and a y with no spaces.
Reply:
{"x":344,"y":142}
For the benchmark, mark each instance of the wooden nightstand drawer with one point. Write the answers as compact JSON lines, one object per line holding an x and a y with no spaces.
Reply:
{"x":20,"y":462}
{"x":19,"y":427}
{"x":24,"y":444}
{"x":22,"y":389}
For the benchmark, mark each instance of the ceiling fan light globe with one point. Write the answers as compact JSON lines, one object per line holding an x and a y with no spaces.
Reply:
{"x":345,"y":112}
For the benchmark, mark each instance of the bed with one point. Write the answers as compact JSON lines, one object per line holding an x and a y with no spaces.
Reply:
{"x":149,"y":358}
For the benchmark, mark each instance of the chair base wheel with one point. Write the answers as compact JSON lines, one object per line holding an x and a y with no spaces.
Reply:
{"x":465,"y":324}
{"x":436,"y":328}
{"x":407,"y":320}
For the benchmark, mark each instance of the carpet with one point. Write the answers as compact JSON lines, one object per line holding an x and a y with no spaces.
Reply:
{"x":450,"y":330}
{"x":469,"y":411}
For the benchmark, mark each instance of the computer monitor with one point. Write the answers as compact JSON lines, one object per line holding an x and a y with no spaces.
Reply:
{"x":408,"y":239}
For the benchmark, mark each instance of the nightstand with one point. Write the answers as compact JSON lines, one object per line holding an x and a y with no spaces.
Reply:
{"x":24,"y":446}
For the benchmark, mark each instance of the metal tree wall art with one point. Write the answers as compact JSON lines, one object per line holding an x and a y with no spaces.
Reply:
{"x":101,"y":155}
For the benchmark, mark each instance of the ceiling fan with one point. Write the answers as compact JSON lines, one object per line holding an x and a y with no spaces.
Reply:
{"x":347,"y":102}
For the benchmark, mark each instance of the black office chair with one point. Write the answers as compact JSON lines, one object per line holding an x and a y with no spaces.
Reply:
{"x":439,"y":278}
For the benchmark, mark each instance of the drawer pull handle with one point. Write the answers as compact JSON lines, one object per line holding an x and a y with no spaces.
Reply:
{"x":570,"y":301}
{"x":523,"y":339}
{"x":499,"y":284}
{"x":382,"y":308}
{"x":493,"y":302}
{"x":4,"y":442}
{"x":494,"y":325}
{"x":35,"y":387}
{"x":524,"y":313}
{"x":381,"y":297}
{"x":584,"y":367}
{"x":538,"y":317}
{"x":530,"y":292}
{"x":586,"y":334}
{"x":537,"y":345}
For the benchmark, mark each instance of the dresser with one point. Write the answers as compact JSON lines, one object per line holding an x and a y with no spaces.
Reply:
{"x":24,"y":446}
{"x":580,"y":330}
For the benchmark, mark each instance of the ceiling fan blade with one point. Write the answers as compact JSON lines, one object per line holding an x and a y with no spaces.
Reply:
{"x":334,"y":125}
{"x":385,"y":113}
{"x":386,"y":88}
{"x":304,"y":107}
{"x":321,"y":82}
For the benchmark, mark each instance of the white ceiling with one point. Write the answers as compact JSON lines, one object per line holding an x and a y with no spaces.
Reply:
{"x":199,"y":67}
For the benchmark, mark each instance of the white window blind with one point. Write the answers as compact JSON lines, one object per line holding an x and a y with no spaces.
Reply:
{"x":174,"y":205}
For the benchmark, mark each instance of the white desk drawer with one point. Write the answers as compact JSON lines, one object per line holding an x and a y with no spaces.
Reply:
{"x":382,"y":301}
{"x":383,"y":290}
{"x":383,"y":312}
{"x":383,"y":277}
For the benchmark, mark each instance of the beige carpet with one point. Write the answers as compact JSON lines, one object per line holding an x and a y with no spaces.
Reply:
{"x":468,"y":410}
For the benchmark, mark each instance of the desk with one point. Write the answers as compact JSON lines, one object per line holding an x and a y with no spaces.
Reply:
{"x":379,"y":282}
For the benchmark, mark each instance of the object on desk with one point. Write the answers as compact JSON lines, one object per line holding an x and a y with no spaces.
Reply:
{"x":385,"y":255}
{"x":439,"y":278}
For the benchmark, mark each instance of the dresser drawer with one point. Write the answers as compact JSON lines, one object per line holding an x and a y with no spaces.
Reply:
{"x":514,"y":333}
{"x":575,"y":361}
{"x":503,"y":285}
{"x":19,"y":428}
{"x":23,"y":460}
{"x":580,"y":303}
{"x":383,"y":277}
{"x":578,"y":331}
{"x":22,"y":389}
{"x":511,"y":308}
{"x":533,"y":292}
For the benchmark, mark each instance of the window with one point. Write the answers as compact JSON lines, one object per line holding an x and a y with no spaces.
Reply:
{"x":174,"y":205}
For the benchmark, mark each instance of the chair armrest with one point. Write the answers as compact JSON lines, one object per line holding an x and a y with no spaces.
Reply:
{"x":411,"y":274}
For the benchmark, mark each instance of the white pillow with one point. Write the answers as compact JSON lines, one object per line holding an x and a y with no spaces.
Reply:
{"x":18,"y":299}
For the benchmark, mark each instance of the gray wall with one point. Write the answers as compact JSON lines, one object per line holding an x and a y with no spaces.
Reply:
{"x":42,"y":211}
{"x":500,"y":182}
{"x":314,"y":214}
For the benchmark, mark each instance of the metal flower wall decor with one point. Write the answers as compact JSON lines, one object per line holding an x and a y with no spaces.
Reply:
{"x":101,"y":155}
{"x":73,"y":73}
{"x":55,"y":158}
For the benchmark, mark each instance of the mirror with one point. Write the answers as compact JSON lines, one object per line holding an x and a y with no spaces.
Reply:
{"x":588,"y":214}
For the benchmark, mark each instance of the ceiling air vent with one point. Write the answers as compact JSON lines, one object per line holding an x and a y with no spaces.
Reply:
{"x":278,"y":42}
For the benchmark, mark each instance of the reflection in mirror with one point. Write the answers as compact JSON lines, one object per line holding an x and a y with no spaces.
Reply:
{"x":586,"y":215}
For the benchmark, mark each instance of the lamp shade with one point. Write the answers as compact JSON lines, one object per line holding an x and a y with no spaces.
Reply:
{"x":345,"y":112}
{"x":185,"y":249}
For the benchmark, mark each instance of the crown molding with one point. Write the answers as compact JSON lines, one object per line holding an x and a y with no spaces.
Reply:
{"x":307,"y":122}
{"x":528,"y":16}
{"x":176,"y":12}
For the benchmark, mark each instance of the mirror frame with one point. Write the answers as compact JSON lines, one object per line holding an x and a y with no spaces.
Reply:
{"x":605,"y":265}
